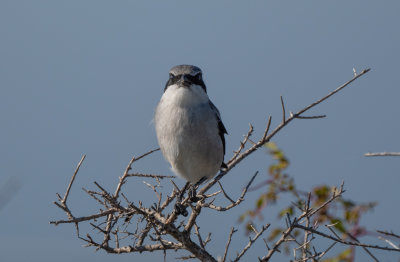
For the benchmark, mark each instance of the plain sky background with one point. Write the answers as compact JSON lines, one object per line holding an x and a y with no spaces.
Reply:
{"x":84,"y":77}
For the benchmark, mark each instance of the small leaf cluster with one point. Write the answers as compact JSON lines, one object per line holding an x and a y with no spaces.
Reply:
{"x":344,"y":214}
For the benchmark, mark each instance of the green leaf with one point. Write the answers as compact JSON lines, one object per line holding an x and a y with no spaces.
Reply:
{"x":274,"y":233}
{"x":271,"y":146}
{"x":338,"y":225}
{"x":345,"y":256}
{"x":288,"y":210}
{"x":348,"y":203}
{"x":260,"y":202}
{"x":322,"y":191}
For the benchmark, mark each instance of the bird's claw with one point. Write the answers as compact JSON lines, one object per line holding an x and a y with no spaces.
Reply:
{"x":180,"y":209}
{"x":193,"y":195}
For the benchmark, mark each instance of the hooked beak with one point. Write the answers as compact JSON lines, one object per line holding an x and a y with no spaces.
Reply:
{"x":184,"y":81}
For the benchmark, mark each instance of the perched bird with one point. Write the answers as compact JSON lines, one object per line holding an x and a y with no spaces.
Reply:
{"x":189,"y":129}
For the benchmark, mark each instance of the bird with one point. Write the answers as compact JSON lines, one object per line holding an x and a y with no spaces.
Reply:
{"x":189,"y":128}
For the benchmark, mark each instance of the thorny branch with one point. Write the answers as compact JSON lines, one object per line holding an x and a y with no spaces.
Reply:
{"x":137,"y":228}
{"x":266,"y":138}
{"x":296,"y":223}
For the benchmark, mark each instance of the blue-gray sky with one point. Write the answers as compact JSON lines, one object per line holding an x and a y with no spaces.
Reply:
{"x":84,"y":77}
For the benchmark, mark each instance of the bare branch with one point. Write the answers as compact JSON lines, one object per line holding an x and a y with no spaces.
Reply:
{"x":333,"y":92}
{"x":365,"y":249}
{"x":85,"y":218}
{"x":283,"y":111}
{"x":267,"y":138}
{"x":242,"y":144}
{"x":306,"y":241}
{"x":129,"y":167}
{"x":149,"y":175}
{"x":64,"y":200}
{"x":233,"y":230}
{"x":389,"y":242}
{"x":308,"y":117}
{"x":251,"y":241}
{"x":193,"y":216}
{"x":225,"y":194}
{"x":143,"y":234}
{"x":388,"y":233}
{"x":197,"y":233}
{"x":349,"y":243}
{"x":282,"y":239}
{"x":233,"y":204}
{"x":292,"y":224}
{"x":383,"y":154}
{"x":169,"y":199}
{"x":267,"y":128}
{"x":335,"y":195}
{"x":130,"y":249}
{"x":327,"y":250}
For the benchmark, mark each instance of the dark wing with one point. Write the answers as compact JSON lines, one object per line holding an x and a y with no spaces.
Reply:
{"x":221,"y":129}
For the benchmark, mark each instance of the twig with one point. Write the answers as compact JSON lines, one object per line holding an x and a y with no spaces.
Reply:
{"x":309,"y":117}
{"x":292,"y":224}
{"x":149,"y":175}
{"x":388,"y":233}
{"x":238,"y":201}
{"x":233,"y":230}
{"x":389,"y":242}
{"x":169,"y":199}
{"x":251,"y":241}
{"x":365,"y":249}
{"x":225,"y":194}
{"x":343,"y":241}
{"x":334,"y":196}
{"x":242,"y":144}
{"x":327,"y":250}
{"x":129,"y":167}
{"x":383,"y":154}
{"x":85,"y":218}
{"x":282,"y":239}
{"x":186,"y":257}
{"x":333,"y":231}
{"x":267,"y":128}
{"x":193,"y":216}
{"x":143,"y":234}
{"x":197,"y":232}
{"x":130,"y":249}
{"x":283,"y":111}
{"x":64,"y":200}
{"x":305,"y":241}
{"x":333,"y":92}
{"x":208,"y":239}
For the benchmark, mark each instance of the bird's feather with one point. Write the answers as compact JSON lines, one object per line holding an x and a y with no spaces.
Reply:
{"x":221,"y":128}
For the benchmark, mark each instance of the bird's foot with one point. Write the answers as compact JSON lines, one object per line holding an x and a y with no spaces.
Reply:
{"x":180,"y":209}
{"x":192,"y":190}
{"x":193,"y":195}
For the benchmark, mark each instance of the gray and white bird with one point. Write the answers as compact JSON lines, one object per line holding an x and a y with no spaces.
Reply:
{"x":189,"y":129}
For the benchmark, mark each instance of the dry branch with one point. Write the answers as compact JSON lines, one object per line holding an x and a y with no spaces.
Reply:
{"x":383,"y":154}
{"x":266,"y":138}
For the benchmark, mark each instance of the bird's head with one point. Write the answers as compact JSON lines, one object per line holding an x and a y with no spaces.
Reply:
{"x":185,"y":76}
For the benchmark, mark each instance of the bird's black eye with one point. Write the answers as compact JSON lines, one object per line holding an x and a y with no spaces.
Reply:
{"x":171,"y":76}
{"x":199,"y":77}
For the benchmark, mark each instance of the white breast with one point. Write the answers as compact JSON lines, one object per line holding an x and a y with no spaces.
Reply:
{"x":187,"y":132}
